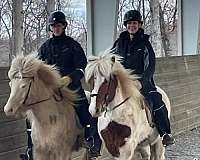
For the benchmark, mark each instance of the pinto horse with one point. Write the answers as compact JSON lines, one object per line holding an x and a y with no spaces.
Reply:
{"x":117,"y":102}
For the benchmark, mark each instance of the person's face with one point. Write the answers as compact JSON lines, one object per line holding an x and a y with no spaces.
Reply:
{"x":57,"y":29}
{"x":133,"y":26}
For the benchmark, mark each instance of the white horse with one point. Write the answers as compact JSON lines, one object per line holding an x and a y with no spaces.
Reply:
{"x":115,"y":98}
{"x":34,"y":92}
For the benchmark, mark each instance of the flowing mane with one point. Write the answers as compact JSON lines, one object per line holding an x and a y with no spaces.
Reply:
{"x":31,"y":66}
{"x":103,"y":64}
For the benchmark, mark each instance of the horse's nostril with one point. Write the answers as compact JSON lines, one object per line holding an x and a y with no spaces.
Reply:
{"x":11,"y":110}
{"x":97,"y":110}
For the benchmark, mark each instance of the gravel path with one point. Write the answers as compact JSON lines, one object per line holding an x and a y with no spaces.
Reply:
{"x":187,"y":146}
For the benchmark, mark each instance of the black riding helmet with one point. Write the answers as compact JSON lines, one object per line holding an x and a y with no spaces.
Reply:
{"x":132,"y":15}
{"x":57,"y":17}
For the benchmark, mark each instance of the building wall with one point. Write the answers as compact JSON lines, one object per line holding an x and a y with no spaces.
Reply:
{"x":180,"y":78}
{"x":12,"y":130}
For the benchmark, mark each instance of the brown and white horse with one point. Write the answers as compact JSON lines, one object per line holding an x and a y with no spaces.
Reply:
{"x":34,"y":92}
{"x":116,"y":100}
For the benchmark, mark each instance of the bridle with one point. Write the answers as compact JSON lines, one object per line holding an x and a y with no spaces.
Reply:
{"x":108,"y":98}
{"x":109,"y":92}
{"x":28,"y":92}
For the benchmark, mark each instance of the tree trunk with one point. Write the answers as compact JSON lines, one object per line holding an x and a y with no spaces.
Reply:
{"x":157,"y":41}
{"x":17,"y":27}
{"x":50,"y":8}
{"x":163,"y":32}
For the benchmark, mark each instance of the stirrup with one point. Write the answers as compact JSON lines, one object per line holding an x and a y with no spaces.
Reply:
{"x":92,"y":154}
{"x":90,"y":146}
{"x":26,"y":155}
{"x":89,"y":143}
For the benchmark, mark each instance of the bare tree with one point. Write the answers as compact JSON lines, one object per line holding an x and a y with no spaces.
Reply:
{"x":35,"y":14}
{"x":17,"y":27}
{"x":157,"y":39}
{"x":58,"y":5}
{"x":50,"y":8}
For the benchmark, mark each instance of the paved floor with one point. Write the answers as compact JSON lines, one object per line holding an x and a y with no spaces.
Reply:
{"x":187,"y":146}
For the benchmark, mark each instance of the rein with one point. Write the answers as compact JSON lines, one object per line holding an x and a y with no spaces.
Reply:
{"x":115,"y":107}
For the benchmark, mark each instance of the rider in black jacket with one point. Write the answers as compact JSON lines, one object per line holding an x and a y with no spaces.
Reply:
{"x":138,"y":55}
{"x":69,"y":57}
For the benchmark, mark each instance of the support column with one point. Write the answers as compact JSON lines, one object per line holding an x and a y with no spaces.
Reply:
{"x":102,"y":22}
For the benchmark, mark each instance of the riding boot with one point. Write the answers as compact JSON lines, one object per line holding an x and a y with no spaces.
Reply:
{"x":93,"y":141}
{"x":28,"y":155}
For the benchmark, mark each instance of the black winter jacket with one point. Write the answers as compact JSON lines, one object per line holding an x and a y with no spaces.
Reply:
{"x":67,"y":55}
{"x":138,"y":55}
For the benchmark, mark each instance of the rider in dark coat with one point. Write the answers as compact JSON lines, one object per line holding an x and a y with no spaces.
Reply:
{"x":69,"y":57}
{"x":138,"y":55}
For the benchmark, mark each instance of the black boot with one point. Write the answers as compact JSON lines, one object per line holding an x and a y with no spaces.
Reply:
{"x":28,"y":155}
{"x":167,"y":139}
{"x":93,"y":141}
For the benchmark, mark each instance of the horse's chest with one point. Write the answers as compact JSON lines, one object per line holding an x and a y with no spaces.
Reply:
{"x":114,"y":136}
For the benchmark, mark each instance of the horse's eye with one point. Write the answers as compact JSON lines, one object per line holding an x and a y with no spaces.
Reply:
{"x":23,"y":86}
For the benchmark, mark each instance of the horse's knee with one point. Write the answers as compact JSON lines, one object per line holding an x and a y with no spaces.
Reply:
{"x":128,"y":153}
{"x":145,"y":152}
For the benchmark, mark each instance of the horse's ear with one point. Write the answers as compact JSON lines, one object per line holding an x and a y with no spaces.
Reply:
{"x":12,"y":57}
{"x":113,"y":59}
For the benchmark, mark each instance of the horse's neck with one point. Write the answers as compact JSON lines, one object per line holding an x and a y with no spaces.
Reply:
{"x":50,"y":111}
{"x":128,"y":106}
{"x":38,"y":92}
{"x":40,"y":114}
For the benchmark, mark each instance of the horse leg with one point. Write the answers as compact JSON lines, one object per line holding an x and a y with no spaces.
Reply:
{"x":137,"y":155}
{"x":158,"y":151}
{"x":145,"y":152}
{"x":85,"y":155}
{"x":66,"y":154}
{"x":127,"y":151}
